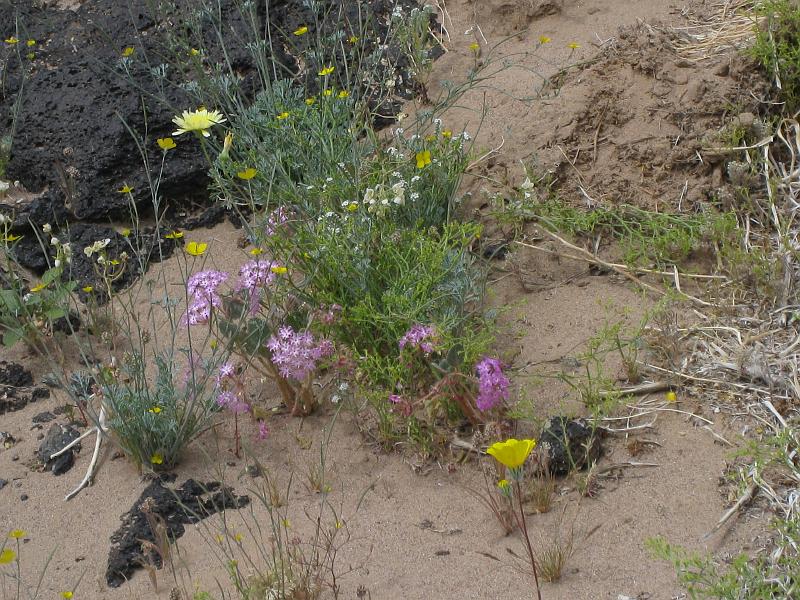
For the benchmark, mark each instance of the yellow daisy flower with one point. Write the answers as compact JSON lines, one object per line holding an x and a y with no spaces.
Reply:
{"x":200,"y":121}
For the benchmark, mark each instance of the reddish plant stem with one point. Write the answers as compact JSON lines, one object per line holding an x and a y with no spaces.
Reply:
{"x":524,"y":527}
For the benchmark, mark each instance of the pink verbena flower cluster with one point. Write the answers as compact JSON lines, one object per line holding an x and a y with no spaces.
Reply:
{"x":419,"y":337}
{"x":203,"y":295}
{"x":276,"y":218}
{"x":231,"y":395}
{"x":492,"y":383}
{"x":297,"y":354}
{"x":254,"y":276}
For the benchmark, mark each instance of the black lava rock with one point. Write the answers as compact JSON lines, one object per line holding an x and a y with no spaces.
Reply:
{"x":14,"y":374}
{"x":175,"y":508}
{"x":569,"y":445}
{"x":57,"y":438}
{"x":43,"y":417}
{"x":15,"y":398}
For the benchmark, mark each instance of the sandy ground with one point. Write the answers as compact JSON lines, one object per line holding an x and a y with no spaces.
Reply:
{"x":416,"y":532}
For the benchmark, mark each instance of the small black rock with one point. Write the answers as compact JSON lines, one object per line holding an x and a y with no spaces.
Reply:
{"x":3,"y":483}
{"x":43,"y":417}
{"x":569,"y":444}
{"x":57,"y":438}
{"x":23,"y":497}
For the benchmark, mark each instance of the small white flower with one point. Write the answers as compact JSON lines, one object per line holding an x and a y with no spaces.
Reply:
{"x":101,"y":260}
{"x":47,"y":228}
{"x":437,"y":122}
{"x":527,"y":185}
{"x":335,"y":399}
{"x":415,"y":179}
{"x":57,"y":263}
{"x":414,"y":196}
{"x":54,"y":241}
{"x":27,"y":298}
{"x":329,"y":179}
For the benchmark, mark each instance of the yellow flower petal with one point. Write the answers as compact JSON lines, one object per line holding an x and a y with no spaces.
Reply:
{"x":543,"y":39}
{"x":175,"y":235}
{"x":672,"y":396}
{"x":155,"y":410}
{"x":282,"y":116}
{"x":310,"y":101}
{"x":125,"y":232}
{"x":157,"y":459}
{"x":30,"y":43}
{"x":194,"y":52}
{"x":352,"y":39}
{"x":474,"y":46}
{"x":423,"y":159}
{"x":125,"y":189}
{"x":327,"y":93}
{"x":88,"y":289}
{"x":6,"y":556}
{"x":327,"y":70}
{"x":17,"y":534}
{"x":279,"y":270}
{"x":573,"y":45}
{"x":343,"y":94}
{"x":166,"y":143}
{"x":67,"y":595}
{"x":512,"y":453}
{"x":247,"y":174}
{"x":12,"y":40}
{"x":256,"y":251}
{"x":128,"y":51}
{"x":300,"y":31}
{"x":38,"y":288}
{"x":196,"y":248}
{"x":13,"y":238}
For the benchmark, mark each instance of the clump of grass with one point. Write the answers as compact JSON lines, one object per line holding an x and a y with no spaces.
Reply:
{"x":777,"y":48}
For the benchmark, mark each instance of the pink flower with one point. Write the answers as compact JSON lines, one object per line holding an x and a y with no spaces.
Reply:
{"x":419,"y":337}
{"x":493,"y":385}
{"x":203,"y":295}
{"x":263,"y":430}
{"x":276,"y":218}
{"x":232,"y":402}
{"x":254,"y":276}
{"x":297,"y":354}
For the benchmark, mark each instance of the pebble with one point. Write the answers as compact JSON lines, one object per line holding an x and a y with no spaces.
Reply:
{"x":23,"y":497}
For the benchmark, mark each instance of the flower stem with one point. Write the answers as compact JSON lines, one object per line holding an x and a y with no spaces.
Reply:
{"x":524,"y":528}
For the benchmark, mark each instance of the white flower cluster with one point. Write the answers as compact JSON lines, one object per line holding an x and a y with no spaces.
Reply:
{"x":96,"y":247}
{"x":381,"y":197}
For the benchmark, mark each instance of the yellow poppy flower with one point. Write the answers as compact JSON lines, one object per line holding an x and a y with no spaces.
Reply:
{"x":672,"y":396}
{"x":30,"y":43}
{"x":67,"y":595}
{"x":327,"y":71}
{"x":423,"y":159}
{"x":17,"y":534}
{"x":282,"y":116}
{"x":166,"y":143}
{"x":512,"y":453}
{"x":256,"y":251}
{"x":128,"y":51}
{"x":38,"y":288}
{"x":88,"y":289}
{"x":125,"y":189}
{"x":310,"y":101}
{"x":155,"y":410}
{"x":175,"y":235}
{"x":343,"y":94}
{"x":12,"y":40}
{"x":300,"y":31}
{"x":196,"y":248}
{"x":279,"y":270}
{"x":157,"y":459}
{"x":543,"y":39}
{"x":352,"y":39}
{"x":6,"y":556}
{"x":573,"y":45}
{"x":200,"y":120}
{"x":327,"y":93}
{"x":247,"y":174}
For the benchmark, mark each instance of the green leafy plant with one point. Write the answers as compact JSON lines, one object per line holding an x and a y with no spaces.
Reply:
{"x":777,"y":48}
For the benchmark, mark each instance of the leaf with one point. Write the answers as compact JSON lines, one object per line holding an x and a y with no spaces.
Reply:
{"x":11,"y":337}
{"x":50,"y":276}
{"x":55,"y":313}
